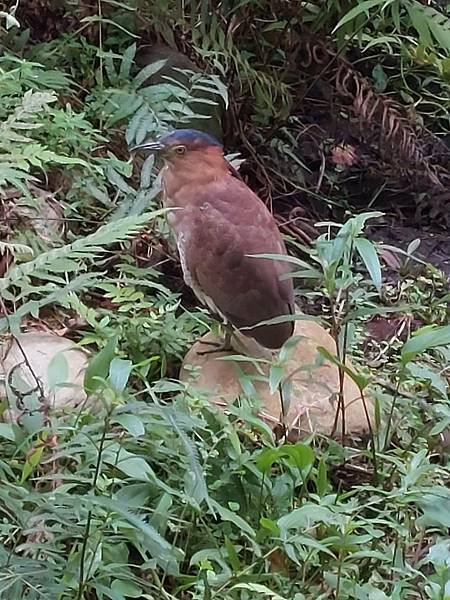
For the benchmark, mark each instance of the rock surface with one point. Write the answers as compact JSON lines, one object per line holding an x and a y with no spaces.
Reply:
{"x":54,"y":361}
{"x":315,"y":382}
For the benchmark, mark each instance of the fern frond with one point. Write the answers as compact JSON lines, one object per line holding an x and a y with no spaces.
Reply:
{"x":59,"y":295}
{"x":196,"y":483}
{"x":88,"y":248}
{"x":15,"y":249}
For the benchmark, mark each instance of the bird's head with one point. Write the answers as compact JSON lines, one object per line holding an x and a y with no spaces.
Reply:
{"x":182,"y":144}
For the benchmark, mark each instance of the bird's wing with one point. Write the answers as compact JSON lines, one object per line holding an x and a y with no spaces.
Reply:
{"x":225,"y":225}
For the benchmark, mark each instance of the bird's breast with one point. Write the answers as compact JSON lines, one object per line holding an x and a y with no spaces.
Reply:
{"x":182,"y":238}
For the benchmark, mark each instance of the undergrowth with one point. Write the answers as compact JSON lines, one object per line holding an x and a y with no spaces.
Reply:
{"x":146,"y":489}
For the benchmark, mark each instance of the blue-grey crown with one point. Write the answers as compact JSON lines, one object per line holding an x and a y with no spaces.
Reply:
{"x":191,"y":138}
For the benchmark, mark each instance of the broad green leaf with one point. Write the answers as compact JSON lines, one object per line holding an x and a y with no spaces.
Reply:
{"x":146,"y":171}
{"x":99,"y":366}
{"x":127,"y":61}
{"x":258,"y":590}
{"x":307,"y":516}
{"x":7,"y":432}
{"x":422,"y":371}
{"x":289,"y":347}
{"x":104,"y":591}
{"x":232,"y":555}
{"x":58,"y":371}
{"x":435,"y":505}
{"x":131,"y":423}
{"x":439,"y":26}
{"x":10,"y":19}
{"x":439,"y":554}
{"x":119,"y":372}
{"x":360,"y":8}
{"x":275,"y":376}
{"x":33,"y":459}
{"x":300,"y":455}
{"x":369,"y":255}
{"x":310,"y":542}
{"x":131,"y":465}
{"x":322,"y":483}
{"x":148,"y":71}
{"x":425,"y":339}
{"x":412,"y":246}
{"x":126,"y":588}
{"x":161,"y":516}
{"x":420,"y":23}
{"x":395,"y":12}
{"x":266,"y":458}
{"x":228,"y":515}
{"x":270,"y":525}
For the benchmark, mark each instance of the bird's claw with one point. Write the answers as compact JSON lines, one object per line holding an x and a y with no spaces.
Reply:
{"x":218,"y":348}
{"x":224,"y":346}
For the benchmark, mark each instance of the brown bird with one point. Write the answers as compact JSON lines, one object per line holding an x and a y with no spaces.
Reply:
{"x":218,"y":224}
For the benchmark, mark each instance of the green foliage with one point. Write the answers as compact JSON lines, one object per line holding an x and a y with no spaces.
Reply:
{"x":417,"y":35}
{"x":152,"y":492}
{"x":149,"y":109}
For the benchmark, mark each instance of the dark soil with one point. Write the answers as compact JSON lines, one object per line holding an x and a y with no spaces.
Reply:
{"x":434,"y":244}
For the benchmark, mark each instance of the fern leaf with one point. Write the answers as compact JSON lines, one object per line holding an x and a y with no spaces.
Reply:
{"x":15,"y":249}
{"x":88,"y":247}
{"x":196,"y":485}
{"x":59,"y":296}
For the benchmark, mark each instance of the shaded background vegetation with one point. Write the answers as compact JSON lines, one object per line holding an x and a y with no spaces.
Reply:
{"x":334,"y":108}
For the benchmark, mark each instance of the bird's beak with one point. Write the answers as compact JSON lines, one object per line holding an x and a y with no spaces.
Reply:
{"x":150,"y":146}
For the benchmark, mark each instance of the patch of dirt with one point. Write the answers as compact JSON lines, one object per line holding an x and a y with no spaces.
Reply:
{"x":434,"y":244}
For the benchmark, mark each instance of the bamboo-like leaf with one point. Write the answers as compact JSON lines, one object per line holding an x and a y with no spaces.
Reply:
{"x":258,"y":590}
{"x":361,"y":380}
{"x":232,"y":517}
{"x":127,"y":61}
{"x":148,"y":71}
{"x":425,"y":339}
{"x":360,"y":8}
{"x":119,"y":373}
{"x":195,"y":480}
{"x":99,"y":366}
{"x":369,"y":256}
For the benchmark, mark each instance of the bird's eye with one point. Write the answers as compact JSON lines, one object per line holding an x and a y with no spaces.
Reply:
{"x":180,"y":149}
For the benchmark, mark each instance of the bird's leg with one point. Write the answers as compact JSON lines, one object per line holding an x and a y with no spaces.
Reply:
{"x":225,"y":346}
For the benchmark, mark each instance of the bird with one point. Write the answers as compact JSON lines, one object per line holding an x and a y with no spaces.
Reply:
{"x":219,"y":225}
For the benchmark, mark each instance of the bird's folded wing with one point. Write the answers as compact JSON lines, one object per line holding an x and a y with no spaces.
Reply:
{"x":218,"y":241}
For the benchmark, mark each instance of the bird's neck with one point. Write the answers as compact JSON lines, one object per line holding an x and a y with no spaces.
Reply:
{"x":180,"y":179}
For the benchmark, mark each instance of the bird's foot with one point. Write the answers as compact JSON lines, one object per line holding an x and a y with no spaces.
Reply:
{"x":224,"y":346}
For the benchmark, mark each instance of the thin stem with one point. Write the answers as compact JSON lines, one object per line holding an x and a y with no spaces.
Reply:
{"x":341,"y":373}
{"x":261,"y":488}
{"x":339,"y":576}
{"x":100,"y":45}
{"x":372,"y":437}
{"x":81,"y":577}
{"x":391,"y":413}
{"x":247,"y":569}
